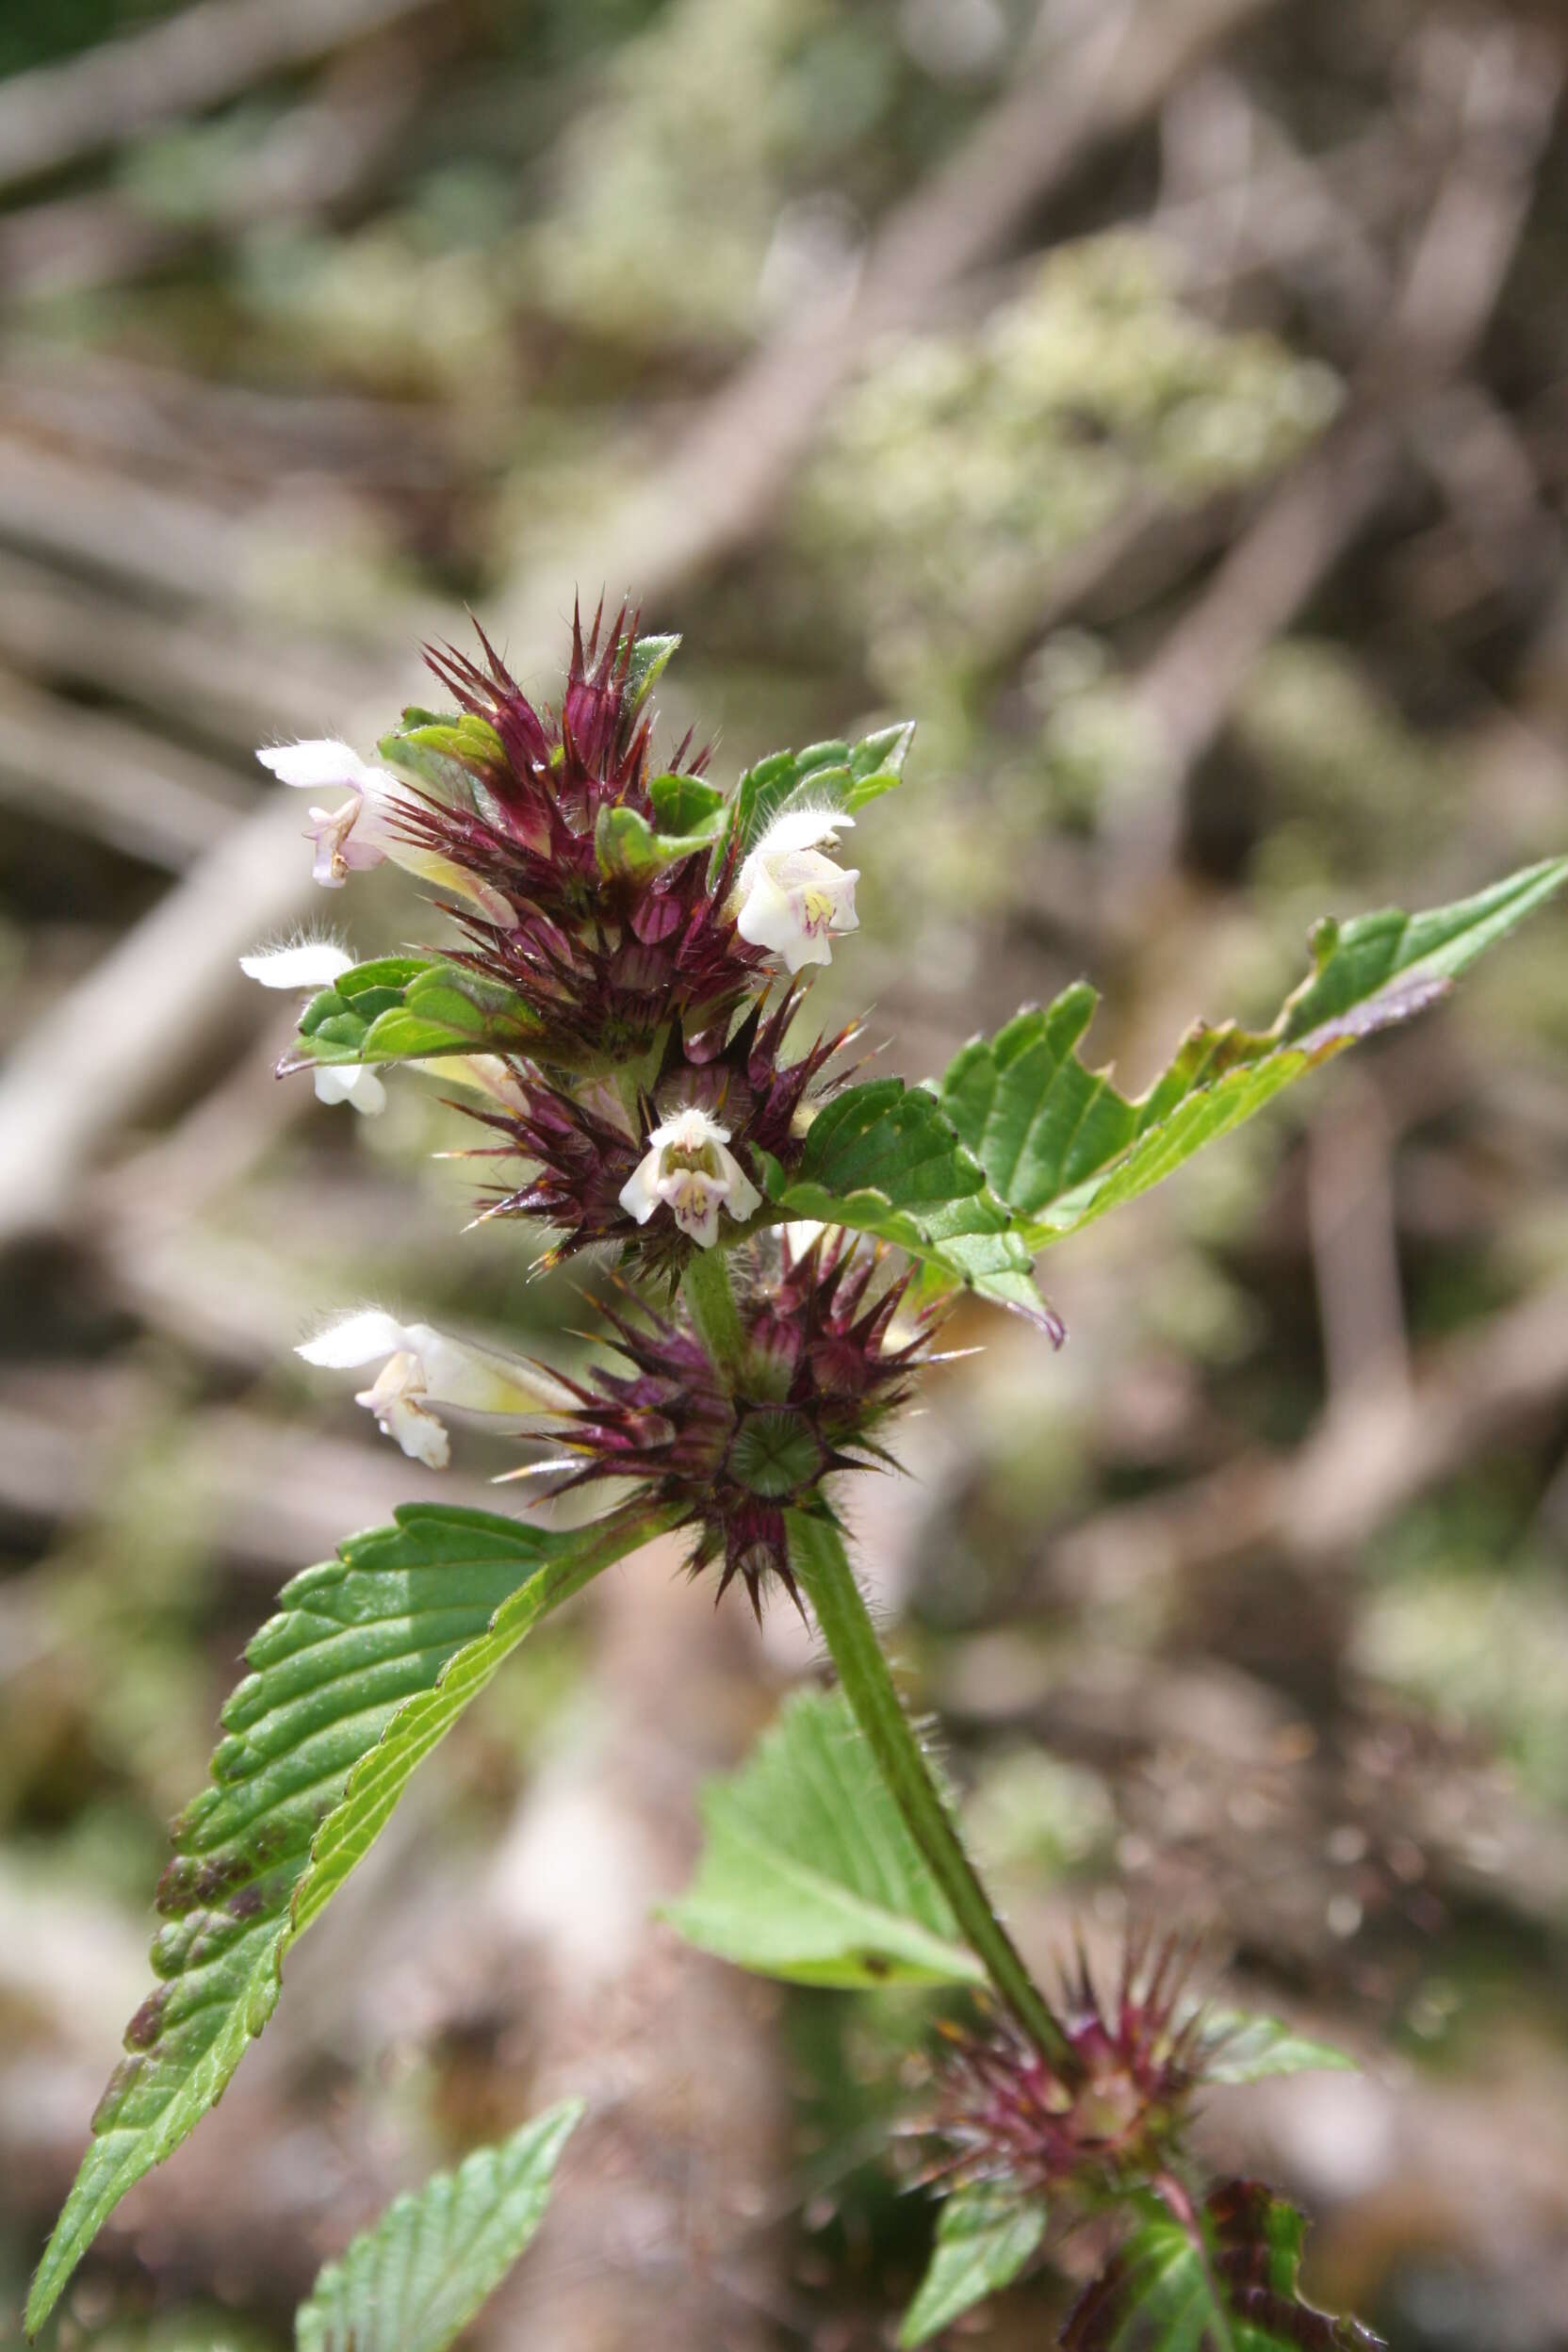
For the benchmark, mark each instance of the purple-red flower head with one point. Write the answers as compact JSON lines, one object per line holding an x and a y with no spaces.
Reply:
{"x":822,"y":1367}
{"x":1108,"y":2111}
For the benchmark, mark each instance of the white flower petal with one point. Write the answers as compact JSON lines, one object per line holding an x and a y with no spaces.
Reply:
{"x":799,"y":828}
{"x":689,"y":1170}
{"x":421,"y":1368}
{"x":688,"y":1130}
{"x":770,"y":919}
{"x":362,"y":1337}
{"x":794,"y":901}
{"x":694,"y":1200}
{"x":318,"y":765}
{"x":640,"y":1194}
{"x":305,"y":964}
{"x":742,"y":1199}
{"x":416,"y":1429}
{"x":350,"y":1082}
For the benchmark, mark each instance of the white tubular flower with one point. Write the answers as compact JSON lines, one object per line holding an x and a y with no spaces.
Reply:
{"x":313,"y":964}
{"x":424,"y":1368}
{"x":792,"y":898}
{"x":353,"y":835}
{"x":689,"y":1168}
{"x":362,"y":830}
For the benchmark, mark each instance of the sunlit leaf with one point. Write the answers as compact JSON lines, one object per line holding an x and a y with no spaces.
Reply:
{"x":883,"y":1159}
{"x":441,"y":752}
{"x":414,"y":2281}
{"x":984,"y":2238}
{"x":1060,"y":1145}
{"x":687,"y":805}
{"x":809,"y":1872}
{"x":368,"y":1662}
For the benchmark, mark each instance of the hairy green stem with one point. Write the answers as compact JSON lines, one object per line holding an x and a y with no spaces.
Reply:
{"x":822,"y":1566}
{"x":705,"y":1287}
{"x":605,"y":1541}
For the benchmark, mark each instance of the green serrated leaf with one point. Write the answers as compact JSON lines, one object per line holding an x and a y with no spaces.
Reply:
{"x":984,"y":2238}
{"x":1240,"y":2047}
{"x":883,"y":1159}
{"x":368,"y":1662}
{"x":407,"y":1008}
{"x":809,"y":1872}
{"x":1060,"y":1145}
{"x":414,"y":2281}
{"x":362,"y":993}
{"x":1229,"y":2282}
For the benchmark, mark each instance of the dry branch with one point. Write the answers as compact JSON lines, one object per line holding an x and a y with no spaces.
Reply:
{"x":1348,"y":1479}
{"x":112,"y":781}
{"x":1187,"y":690}
{"x":192,"y":62}
{"x":740,"y":455}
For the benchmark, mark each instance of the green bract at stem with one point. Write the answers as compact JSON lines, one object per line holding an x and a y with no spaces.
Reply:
{"x":705,"y":1287}
{"x":823,"y":1570}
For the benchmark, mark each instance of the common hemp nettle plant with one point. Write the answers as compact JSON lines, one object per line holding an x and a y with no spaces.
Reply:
{"x":622,"y":997}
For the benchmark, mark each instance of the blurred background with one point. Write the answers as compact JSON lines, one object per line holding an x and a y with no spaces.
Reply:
{"x":1166,"y":402}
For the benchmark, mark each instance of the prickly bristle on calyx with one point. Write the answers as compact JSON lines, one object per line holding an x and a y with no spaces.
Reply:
{"x":1107,"y":2110}
{"x":604,"y":959}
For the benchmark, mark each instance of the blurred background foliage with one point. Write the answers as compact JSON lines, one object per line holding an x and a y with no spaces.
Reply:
{"x":1166,"y":402}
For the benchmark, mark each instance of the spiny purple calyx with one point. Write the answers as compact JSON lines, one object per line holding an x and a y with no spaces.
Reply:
{"x":606,"y":945}
{"x":819,"y":1374}
{"x":1108,"y":2110}
{"x":581,"y":1150}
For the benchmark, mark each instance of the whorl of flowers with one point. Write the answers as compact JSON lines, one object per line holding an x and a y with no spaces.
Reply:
{"x":659,"y":961}
{"x":824,"y":1364}
{"x":1108,"y":2111}
{"x":597,"y":1174}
